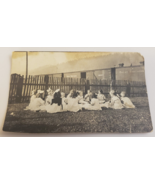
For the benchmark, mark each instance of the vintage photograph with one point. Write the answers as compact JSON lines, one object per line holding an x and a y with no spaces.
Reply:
{"x":87,"y":92}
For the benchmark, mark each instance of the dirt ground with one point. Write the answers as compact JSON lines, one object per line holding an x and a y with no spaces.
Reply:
{"x":108,"y":120}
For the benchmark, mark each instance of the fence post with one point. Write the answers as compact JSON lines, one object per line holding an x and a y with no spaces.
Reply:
{"x":112,"y":85}
{"x":19,"y":89}
{"x":87,"y":86}
{"x":113,"y":79}
{"x":62,"y":77}
{"x":46,"y":81}
{"x":113,"y":73}
{"x":128,"y":89}
{"x":11,"y":88}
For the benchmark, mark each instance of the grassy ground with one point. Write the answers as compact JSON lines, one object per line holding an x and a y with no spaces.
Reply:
{"x":107,"y":120}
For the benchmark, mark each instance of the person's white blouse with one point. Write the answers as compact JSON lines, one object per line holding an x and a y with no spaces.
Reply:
{"x":49,"y":99}
{"x":35,"y":104}
{"x":95,"y":104}
{"x":32,"y":98}
{"x":73,"y":105}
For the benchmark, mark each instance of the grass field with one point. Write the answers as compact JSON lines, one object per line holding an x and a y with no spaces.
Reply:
{"x":107,"y":120}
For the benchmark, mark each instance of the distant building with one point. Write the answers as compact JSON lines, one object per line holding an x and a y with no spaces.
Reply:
{"x":129,"y":73}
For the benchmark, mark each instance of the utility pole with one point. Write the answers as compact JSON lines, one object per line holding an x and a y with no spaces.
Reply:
{"x":26,"y":63}
{"x":113,"y":78}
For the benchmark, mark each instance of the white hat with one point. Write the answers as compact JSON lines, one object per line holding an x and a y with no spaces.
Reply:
{"x":40,"y":91}
{"x":57,"y":90}
{"x":48,"y":90}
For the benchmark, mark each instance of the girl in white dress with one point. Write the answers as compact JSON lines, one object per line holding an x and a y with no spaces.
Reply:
{"x":49,"y":96}
{"x":37,"y":102}
{"x":115,"y":102}
{"x":48,"y":100}
{"x":56,"y":104}
{"x":73,"y":105}
{"x":80,"y":98}
{"x":126,"y":101}
{"x":101,"y":97}
{"x":88,"y":96}
{"x":64,"y":102}
{"x":33,"y":95}
{"x":69,"y":95}
{"x":94,"y":104}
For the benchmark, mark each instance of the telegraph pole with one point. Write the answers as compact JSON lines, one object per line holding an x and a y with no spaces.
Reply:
{"x":26,"y":63}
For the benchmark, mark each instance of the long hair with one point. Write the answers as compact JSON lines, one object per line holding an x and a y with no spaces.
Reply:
{"x":57,"y":95}
{"x":74,"y":94}
{"x":101,"y":91}
{"x":78,"y":93}
{"x":44,"y":95}
{"x":38,"y":95}
{"x":34,"y":92}
{"x":94,"y":95}
{"x":113,"y":92}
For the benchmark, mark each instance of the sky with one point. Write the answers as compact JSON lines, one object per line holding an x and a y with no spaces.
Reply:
{"x":39,"y":59}
{"x":42,"y":59}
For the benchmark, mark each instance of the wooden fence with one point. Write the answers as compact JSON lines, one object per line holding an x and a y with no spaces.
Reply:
{"x":137,"y":88}
{"x":21,"y":87}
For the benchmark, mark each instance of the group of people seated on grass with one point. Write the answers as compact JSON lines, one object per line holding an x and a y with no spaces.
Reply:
{"x":56,"y":101}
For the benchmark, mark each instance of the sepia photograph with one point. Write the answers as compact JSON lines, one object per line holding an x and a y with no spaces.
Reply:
{"x":70,"y":92}
{"x":77,"y":96}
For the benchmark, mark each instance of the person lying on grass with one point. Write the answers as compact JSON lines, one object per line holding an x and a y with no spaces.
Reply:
{"x":126,"y":101}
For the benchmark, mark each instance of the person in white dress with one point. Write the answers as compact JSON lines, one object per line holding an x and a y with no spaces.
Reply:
{"x":33,"y":95}
{"x":80,"y":98}
{"x":49,"y":96}
{"x":37,"y":102}
{"x":101,"y":97}
{"x":115,"y":102}
{"x":73,"y":105}
{"x":48,"y":100}
{"x":88,"y":96}
{"x":64,"y":102}
{"x":69,"y":95}
{"x":126,"y":101}
{"x":94,"y":103}
{"x":56,"y":104}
